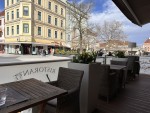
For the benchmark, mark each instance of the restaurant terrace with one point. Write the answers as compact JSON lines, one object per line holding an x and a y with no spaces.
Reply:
{"x":86,"y":83}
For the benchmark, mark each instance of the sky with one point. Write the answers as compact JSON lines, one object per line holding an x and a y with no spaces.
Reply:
{"x":1,"y":5}
{"x":106,"y":10}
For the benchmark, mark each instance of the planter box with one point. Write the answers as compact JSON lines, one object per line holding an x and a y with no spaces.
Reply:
{"x":89,"y":86}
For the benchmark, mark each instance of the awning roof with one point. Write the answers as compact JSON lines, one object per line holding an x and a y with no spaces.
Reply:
{"x":138,"y":11}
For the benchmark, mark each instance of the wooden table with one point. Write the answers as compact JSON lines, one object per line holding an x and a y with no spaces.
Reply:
{"x":36,"y":91}
{"x":117,"y":67}
{"x":122,"y":73}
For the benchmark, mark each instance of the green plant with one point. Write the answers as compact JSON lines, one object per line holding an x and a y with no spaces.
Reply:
{"x":63,"y":52}
{"x":57,"y":51}
{"x":85,"y":58}
{"x":94,"y":56}
{"x":73,"y":52}
{"x":68,"y":52}
{"x":119,"y":54}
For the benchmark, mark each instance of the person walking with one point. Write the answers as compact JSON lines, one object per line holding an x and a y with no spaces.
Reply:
{"x":53,"y":51}
{"x":50,"y":51}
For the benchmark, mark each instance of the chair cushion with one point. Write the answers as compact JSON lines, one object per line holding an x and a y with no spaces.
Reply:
{"x":52,"y":102}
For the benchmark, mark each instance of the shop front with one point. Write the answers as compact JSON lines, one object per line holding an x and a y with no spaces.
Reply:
{"x":12,"y":48}
{"x":37,"y":48}
{"x":2,"y":48}
{"x":2,"y":45}
{"x":26,"y":49}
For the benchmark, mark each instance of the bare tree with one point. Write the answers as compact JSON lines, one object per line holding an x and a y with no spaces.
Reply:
{"x":89,"y":42}
{"x":79,"y":15}
{"x":111,"y":33}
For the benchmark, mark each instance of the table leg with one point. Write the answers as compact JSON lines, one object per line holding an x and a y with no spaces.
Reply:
{"x":42,"y":107}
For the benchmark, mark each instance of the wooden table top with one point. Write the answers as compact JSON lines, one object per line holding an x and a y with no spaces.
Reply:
{"x":117,"y":67}
{"x":36,"y":91}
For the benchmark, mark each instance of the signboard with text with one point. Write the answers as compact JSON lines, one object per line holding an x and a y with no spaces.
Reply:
{"x":41,"y":71}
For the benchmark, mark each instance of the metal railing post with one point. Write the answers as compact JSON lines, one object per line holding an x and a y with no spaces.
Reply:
{"x":105,"y":59}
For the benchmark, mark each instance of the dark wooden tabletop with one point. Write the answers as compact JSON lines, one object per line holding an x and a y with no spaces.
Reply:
{"x":117,"y":67}
{"x":35,"y":91}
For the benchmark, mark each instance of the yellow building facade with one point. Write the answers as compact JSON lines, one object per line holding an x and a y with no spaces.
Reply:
{"x":32,"y":25}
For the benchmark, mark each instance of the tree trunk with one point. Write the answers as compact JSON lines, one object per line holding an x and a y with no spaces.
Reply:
{"x":81,"y":49}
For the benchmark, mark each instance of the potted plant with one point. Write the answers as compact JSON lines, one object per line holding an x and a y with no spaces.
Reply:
{"x":90,"y":81}
{"x":119,"y":56}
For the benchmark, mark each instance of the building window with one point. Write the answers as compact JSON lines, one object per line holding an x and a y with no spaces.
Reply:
{"x":49,"y":19}
{"x":17,"y":13}
{"x":49,"y":5}
{"x":61,"y":35}
{"x":39,"y":15}
{"x":7,"y":2}
{"x":26,"y":28}
{"x":12,"y":15}
{"x":56,"y":8}
{"x":12,"y":1}
{"x":7,"y":15}
{"x":62,"y":11}
{"x":61,"y":23}
{"x":7,"y":30}
{"x":39,"y":30}
{"x":49,"y":32}
{"x":12,"y":30}
{"x":55,"y":21}
{"x":55,"y":34}
{"x":39,"y":2}
{"x":26,"y":11}
{"x":17,"y":29}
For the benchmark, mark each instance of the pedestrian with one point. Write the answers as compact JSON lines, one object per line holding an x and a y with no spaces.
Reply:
{"x":3,"y":50}
{"x":53,"y":51}
{"x":109,"y":54}
{"x":44,"y":52}
{"x":50,"y":51}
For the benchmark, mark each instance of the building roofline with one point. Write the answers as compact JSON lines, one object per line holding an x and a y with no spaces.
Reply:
{"x":2,"y":13}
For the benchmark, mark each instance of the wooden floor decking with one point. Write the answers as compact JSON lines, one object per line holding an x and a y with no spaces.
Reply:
{"x":135,"y":98}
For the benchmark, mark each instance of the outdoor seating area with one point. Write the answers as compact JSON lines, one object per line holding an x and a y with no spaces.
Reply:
{"x":108,"y":82}
{"x":85,"y":88}
{"x":28,"y":93}
{"x":114,"y":80}
{"x":118,"y":93}
{"x":133,"y":99}
{"x":70,"y":80}
{"x":74,"y":56}
{"x":99,"y":83}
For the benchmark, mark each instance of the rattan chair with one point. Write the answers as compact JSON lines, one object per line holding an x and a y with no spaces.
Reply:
{"x":136,"y":69}
{"x":122,"y":79}
{"x":133,"y":66}
{"x":108,"y":82}
{"x":70,"y":80}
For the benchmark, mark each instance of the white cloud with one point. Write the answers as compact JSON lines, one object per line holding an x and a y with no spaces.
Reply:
{"x":111,"y":12}
{"x":81,"y":1}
